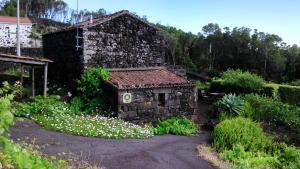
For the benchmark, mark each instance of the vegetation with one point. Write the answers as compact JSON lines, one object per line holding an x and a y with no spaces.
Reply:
{"x":243,"y":142}
{"x":12,"y":155}
{"x":231,"y":104}
{"x":53,"y":114}
{"x":273,"y":111}
{"x":215,"y":50}
{"x":177,"y":126}
{"x":93,"y":126}
{"x":289,"y":94}
{"x":90,"y":87}
{"x":240,"y":131}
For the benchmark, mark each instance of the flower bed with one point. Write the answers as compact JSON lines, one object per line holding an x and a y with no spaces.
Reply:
{"x":93,"y":126}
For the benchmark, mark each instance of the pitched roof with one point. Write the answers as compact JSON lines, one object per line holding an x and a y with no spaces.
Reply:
{"x":110,"y":17}
{"x":146,"y":78}
{"x":11,"y":19}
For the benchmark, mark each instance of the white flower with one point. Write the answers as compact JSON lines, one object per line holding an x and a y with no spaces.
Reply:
{"x":69,"y":94}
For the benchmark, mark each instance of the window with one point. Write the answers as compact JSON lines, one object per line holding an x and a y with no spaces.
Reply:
{"x":8,"y":31}
{"x":161,"y":99}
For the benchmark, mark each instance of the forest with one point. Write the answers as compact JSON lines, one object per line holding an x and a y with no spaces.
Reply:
{"x":211,"y":51}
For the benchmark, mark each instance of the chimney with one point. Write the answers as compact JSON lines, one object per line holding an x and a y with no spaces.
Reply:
{"x":91,"y":18}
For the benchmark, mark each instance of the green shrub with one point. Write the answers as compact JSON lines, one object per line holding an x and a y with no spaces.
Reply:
{"x":91,"y":81}
{"x":240,"y":131}
{"x":289,"y":94}
{"x":176,"y":125}
{"x":289,"y":157}
{"x":6,"y":117}
{"x":8,"y":89}
{"x":41,"y":105}
{"x":202,"y":86}
{"x":247,"y":159}
{"x":243,"y":79}
{"x":14,"y":156}
{"x":273,"y":111}
{"x":237,"y":81}
{"x":295,"y":83}
{"x":231,"y":104}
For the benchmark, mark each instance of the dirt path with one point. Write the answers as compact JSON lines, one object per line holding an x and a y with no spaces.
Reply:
{"x":161,"y":152}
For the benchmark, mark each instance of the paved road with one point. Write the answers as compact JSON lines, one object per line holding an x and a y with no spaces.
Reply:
{"x":161,"y":152}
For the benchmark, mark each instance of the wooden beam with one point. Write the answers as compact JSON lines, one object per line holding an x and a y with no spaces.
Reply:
{"x":33,"y":81}
{"x":45,"y":79}
{"x":21,"y":78}
{"x":29,"y":62}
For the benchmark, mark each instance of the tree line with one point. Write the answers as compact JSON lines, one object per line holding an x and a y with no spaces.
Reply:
{"x":214,"y":50}
{"x":211,"y":51}
{"x":57,"y":10}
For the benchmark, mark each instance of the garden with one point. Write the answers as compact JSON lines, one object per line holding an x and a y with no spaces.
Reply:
{"x":83,"y":114}
{"x":258,"y":122}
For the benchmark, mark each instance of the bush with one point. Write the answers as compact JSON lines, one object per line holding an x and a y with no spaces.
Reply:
{"x":6,"y":117}
{"x":231,"y":104}
{"x":289,"y":157}
{"x":273,"y":111}
{"x":240,"y":131}
{"x":14,"y":156}
{"x":177,"y":126}
{"x":202,"y":86}
{"x":289,"y":94}
{"x":243,"y":79}
{"x":91,"y":82}
{"x":40,"y":105}
{"x":237,"y":81}
{"x":247,"y":159}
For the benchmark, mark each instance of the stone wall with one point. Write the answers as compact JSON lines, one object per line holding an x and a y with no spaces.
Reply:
{"x":145,"y":104}
{"x":123,"y":42}
{"x":61,"y":48}
{"x":8,"y":35}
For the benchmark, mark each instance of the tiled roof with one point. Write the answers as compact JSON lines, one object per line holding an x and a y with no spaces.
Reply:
{"x":147,"y":78}
{"x":10,"y":19}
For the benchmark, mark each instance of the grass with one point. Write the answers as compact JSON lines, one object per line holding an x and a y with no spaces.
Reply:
{"x":93,"y":126}
{"x":177,"y":126}
{"x":208,"y":154}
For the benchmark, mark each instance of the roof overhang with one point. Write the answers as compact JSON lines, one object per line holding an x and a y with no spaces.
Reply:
{"x":24,"y":59}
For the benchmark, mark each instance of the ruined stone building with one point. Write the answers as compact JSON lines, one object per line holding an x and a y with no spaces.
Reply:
{"x":8,"y":29}
{"x":141,"y":87}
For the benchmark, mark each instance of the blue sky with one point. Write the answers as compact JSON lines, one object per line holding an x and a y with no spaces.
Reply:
{"x":281,"y":17}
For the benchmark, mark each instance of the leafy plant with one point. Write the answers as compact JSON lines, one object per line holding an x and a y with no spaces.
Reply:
{"x":177,"y":126}
{"x":231,"y":104}
{"x":8,"y":89}
{"x":14,"y":156}
{"x":243,"y":79}
{"x":6,"y":117}
{"x":273,"y":111}
{"x":90,"y":82}
{"x":242,"y":131}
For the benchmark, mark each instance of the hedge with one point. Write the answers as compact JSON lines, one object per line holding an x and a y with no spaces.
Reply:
{"x":219,"y":85}
{"x":286,"y":93}
{"x":289,"y":94}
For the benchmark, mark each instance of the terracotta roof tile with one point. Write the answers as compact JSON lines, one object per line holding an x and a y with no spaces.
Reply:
{"x":10,"y":19}
{"x":148,"y":78}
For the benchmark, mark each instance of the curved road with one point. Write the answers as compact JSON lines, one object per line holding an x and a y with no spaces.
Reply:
{"x":160,"y":152}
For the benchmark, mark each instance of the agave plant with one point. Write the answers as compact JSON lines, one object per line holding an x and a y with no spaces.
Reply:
{"x":232,"y":104}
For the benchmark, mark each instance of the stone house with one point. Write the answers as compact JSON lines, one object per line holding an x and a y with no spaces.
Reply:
{"x":141,"y":88}
{"x":119,"y":40}
{"x":148,"y":94}
{"x":8,"y":29}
